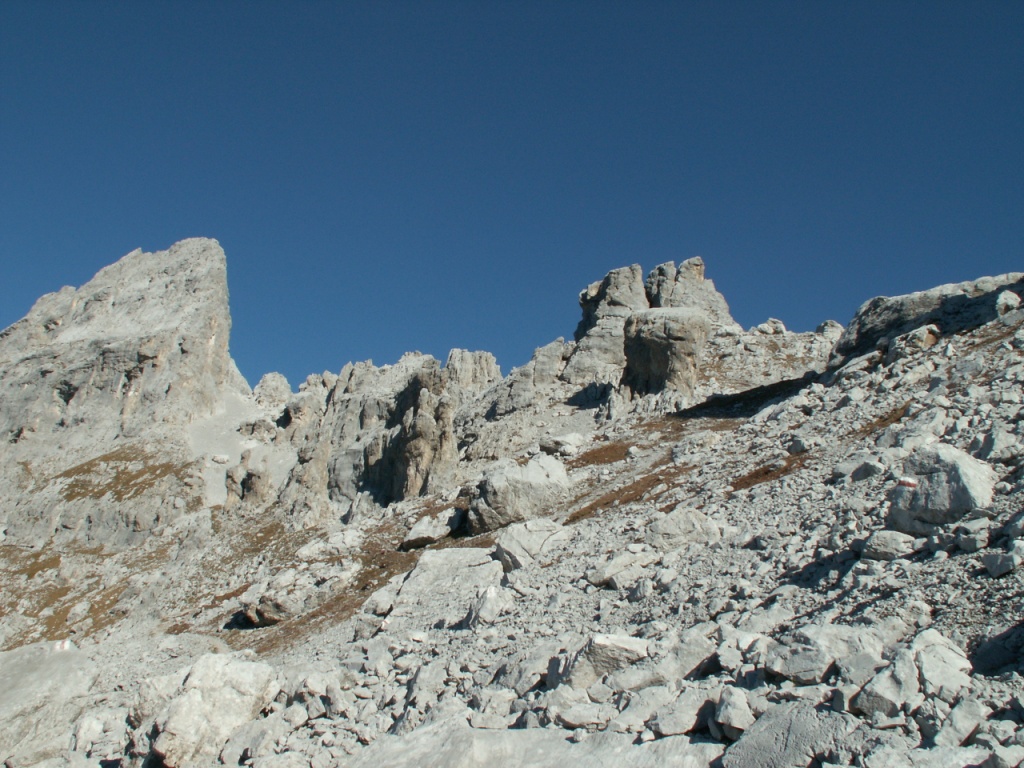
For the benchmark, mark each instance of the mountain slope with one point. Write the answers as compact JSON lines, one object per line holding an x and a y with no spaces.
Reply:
{"x":668,"y":542}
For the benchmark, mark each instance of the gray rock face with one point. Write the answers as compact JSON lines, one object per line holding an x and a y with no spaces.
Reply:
{"x":520,"y":544}
{"x":888,"y":545}
{"x":386,"y":432}
{"x":145,"y":340}
{"x":510,"y":493}
{"x":599,"y":355}
{"x":789,"y":736}
{"x":946,"y":483}
{"x":653,"y":331}
{"x":601,"y":655}
{"x":42,"y":693}
{"x":663,"y":349}
{"x":687,"y":288}
{"x":219,"y":695}
{"x":91,"y":380}
{"x":952,"y":308}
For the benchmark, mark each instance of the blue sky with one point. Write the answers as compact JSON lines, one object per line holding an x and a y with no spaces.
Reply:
{"x":402,"y":176}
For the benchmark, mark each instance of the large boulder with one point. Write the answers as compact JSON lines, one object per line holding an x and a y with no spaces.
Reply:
{"x":942,"y":486}
{"x":511,"y":493}
{"x":663,"y":349}
{"x":601,"y":655}
{"x":442,"y":588}
{"x":681,"y":527}
{"x":519,"y":545}
{"x":792,"y":735}
{"x":221,"y":693}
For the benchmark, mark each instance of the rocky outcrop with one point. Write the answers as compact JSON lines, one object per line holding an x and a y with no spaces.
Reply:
{"x":99,"y":388}
{"x":648,"y":334}
{"x":599,"y":356}
{"x":145,"y":341}
{"x":708,"y":550}
{"x":951,"y":308}
{"x":663,"y":349}
{"x":383,"y":433}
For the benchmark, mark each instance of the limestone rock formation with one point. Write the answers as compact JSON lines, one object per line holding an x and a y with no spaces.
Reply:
{"x":671,"y":541}
{"x":952,"y":308}
{"x":99,"y":387}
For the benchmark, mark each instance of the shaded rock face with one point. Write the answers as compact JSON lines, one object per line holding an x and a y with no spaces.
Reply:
{"x":599,"y":354}
{"x":952,"y":308}
{"x":379,"y":434}
{"x":663,"y":349}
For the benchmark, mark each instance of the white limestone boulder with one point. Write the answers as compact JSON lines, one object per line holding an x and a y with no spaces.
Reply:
{"x":511,"y":493}
{"x":221,"y":693}
{"x":943,"y":485}
{"x":680,"y":527}
{"x":520,"y":544}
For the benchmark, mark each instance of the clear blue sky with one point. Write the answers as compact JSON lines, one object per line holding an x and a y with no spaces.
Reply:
{"x":396,"y":176}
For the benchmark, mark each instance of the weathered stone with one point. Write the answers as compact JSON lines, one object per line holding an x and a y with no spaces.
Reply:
{"x":681,"y":527}
{"x":789,"y":736}
{"x":952,"y":308}
{"x":733,"y":712}
{"x":962,"y":722}
{"x":601,"y":655}
{"x":221,"y":693}
{"x":890,"y":690}
{"x":599,"y":356}
{"x":809,"y":653}
{"x":43,"y":691}
{"x":432,"y":528}
{"x":888,"y":545}
{"x":943,"y":668}
{"x":520,"y":544}
{"x":692,"y":709}
{"x":663,"y":350}
{"x":948,"y":484}
{"x":510,"y":493}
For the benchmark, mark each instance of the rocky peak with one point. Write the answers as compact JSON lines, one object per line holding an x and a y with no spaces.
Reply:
{"x":623,"y":315}
{"x":114,"y":373}
{"x":686,"y":287}
{"x":144,"y":341}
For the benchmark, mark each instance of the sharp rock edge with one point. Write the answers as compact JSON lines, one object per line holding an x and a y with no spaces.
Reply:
{"x":668,"y":542}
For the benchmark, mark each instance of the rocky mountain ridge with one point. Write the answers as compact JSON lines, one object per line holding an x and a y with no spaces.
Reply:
{"x":670,"y":541}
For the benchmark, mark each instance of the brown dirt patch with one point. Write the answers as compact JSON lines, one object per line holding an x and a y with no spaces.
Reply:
{"x":772,"y":471}
{"x":880,"y":423}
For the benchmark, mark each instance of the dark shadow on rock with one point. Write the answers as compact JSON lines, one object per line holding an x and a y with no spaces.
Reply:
{"x":889,"y":317}
{"x":591,"y":396}
{"x":815,"y":575}
{"x":743,"y":405}
{"x":240,"y":621}
{"x":1001,"y":652}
